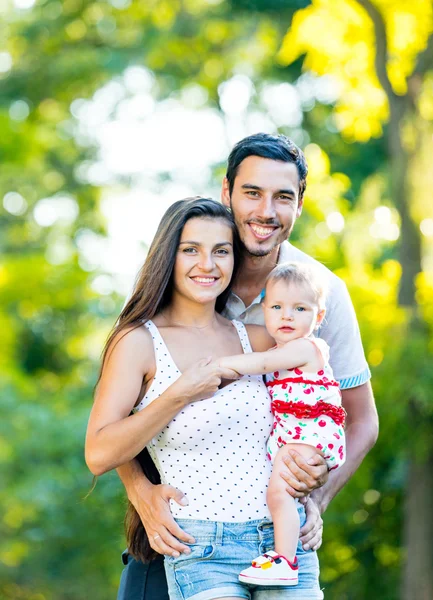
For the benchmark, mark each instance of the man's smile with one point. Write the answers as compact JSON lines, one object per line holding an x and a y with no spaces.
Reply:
{"x":262,"y":232}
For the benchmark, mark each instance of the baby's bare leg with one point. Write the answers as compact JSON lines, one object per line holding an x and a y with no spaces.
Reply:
{"x":282,"y":506}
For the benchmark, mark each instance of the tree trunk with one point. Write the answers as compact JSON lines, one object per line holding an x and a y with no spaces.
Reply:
{"x":417,"y":581}
{"x":410,"y":238}
{"x":418,"y":514}
{"x":418,"y":528}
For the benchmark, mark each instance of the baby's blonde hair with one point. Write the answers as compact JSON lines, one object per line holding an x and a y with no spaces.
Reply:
{"x":303,"y":274}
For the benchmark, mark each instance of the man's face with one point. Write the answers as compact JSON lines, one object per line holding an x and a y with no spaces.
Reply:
{"x":265,"y":202}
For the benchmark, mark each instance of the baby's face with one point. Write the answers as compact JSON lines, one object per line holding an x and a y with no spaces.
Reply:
{"x":291,"y":311}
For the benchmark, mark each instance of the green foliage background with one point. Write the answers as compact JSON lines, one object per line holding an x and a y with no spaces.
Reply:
{"x":54,"y":545}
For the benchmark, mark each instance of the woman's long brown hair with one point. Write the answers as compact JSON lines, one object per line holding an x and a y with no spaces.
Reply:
{"x":152,"y":293}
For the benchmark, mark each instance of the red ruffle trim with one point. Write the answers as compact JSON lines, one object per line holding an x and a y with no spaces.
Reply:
{"x":300,"y":410}
{"x":283,"y":382}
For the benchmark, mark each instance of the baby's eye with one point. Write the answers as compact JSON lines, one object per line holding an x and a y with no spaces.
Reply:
{"x":276,"y":306}
{"x":300,"y":309}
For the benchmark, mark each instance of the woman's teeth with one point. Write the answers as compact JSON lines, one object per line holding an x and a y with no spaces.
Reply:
{"x":204,"y":279}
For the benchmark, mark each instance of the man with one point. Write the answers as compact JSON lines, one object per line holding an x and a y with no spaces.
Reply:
{"x":264,"y":187}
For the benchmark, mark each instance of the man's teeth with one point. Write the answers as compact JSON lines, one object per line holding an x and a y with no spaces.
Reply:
{"x":204,"y":279}
{"x":262,"y":230}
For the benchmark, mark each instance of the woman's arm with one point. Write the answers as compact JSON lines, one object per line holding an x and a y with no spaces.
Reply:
{"x":115,"y":437}
{"x":294,"y":354}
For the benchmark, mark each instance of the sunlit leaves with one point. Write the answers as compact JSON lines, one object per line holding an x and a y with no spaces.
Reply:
{"x":347,"y":52}
{"x":68,"y":68}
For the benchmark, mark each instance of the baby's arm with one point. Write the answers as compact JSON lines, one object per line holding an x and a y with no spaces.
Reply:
{"x":293,"y":354}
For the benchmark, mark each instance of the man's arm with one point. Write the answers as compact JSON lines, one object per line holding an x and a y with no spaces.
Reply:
{"x":361,"y":433}
{"x":362,"y":427}
{"x":152,"y":504}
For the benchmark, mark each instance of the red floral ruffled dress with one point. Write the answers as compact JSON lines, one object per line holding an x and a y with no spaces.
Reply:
{"x":307,"y":410}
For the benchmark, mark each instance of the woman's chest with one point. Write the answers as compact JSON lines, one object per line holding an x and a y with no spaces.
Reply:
{"x":239,"y":412}
{"x":186,"y":349}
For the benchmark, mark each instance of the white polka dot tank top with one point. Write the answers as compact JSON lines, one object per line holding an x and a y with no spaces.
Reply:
{"x":214,"y":450}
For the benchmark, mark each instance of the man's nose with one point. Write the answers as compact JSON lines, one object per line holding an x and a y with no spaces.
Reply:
{"x":266,"y":208}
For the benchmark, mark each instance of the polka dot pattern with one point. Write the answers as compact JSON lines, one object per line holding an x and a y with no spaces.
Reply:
{"x":214,"y":450}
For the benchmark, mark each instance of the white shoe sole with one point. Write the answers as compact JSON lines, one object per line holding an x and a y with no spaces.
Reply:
{"x":260,"y":581}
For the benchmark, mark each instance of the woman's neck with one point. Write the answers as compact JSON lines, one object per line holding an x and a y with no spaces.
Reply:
{"x":190,"y":314}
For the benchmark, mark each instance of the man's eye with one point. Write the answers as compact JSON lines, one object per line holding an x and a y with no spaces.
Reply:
{"x":253,"y":193}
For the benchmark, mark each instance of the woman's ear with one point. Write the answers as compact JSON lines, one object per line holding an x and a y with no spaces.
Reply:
{"x":320,"y":317}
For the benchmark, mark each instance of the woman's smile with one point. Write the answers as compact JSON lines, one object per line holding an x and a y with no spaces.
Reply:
{"x":206,"y":281}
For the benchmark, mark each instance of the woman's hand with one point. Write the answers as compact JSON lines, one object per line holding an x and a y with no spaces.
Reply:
{"x":201,"y":381}
{"x":153,"y":506}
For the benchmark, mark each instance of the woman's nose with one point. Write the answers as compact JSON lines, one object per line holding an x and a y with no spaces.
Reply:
{"x":207,"y":262}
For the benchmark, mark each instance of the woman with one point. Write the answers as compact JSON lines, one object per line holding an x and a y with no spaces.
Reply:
{"x":205,"y":434}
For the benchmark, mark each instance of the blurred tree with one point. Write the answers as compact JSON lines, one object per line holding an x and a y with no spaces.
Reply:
{"x":382,"y":54}
{"x":54,"y":315}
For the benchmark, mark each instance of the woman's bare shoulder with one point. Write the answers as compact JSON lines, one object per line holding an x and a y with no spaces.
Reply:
{"x":134,"y":341}
{"x":259,"y":338}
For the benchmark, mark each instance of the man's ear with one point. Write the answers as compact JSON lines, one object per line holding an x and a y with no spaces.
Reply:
{"x":320,"y":317}
{"x":300,"y":207}
{"x":225,"y":193}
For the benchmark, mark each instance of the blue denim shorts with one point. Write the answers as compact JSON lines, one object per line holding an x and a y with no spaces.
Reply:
{"x":222,"y":551}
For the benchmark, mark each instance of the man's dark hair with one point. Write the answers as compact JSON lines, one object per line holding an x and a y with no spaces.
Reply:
{"x":265,"y":145}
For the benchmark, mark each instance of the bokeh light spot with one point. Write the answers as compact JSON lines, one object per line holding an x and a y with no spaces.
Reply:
{"x":19,"y":110}
{"x":14,"y":203}
{"x":5,"y":62}
{"x":335,"y":221}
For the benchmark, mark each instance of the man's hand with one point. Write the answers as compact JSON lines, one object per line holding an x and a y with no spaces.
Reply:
{"x":154,"y":510}
{"x":304,"y":476}
{"x":312,"y":530}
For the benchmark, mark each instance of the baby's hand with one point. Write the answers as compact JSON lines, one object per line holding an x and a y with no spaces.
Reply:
{"x":224,"y":363}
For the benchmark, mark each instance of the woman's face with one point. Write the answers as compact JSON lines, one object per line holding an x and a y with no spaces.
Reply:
{"x":204,"y":260}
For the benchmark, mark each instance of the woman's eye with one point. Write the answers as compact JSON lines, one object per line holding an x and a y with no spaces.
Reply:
{"x":189,"y":250}
{"x":222,"y":251}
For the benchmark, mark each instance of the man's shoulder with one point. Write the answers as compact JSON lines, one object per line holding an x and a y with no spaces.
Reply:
{"x":289,"y":253}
